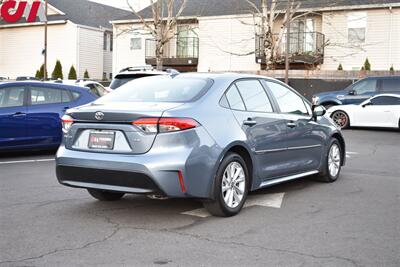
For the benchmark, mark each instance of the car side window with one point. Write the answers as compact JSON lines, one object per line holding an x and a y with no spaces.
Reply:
{"x":75,"y":95}
{"x":234,"y":99}
{"x":366,"y":86}
{"x":42,"y":95}
{"x":288,"y":101}
{"x":391,"y":85}
{"x":385,"y":100}
{"x":93,"y":90}
{"x":100,"y":89}
{"x":254,"y":96}
{"x":12,"y":97}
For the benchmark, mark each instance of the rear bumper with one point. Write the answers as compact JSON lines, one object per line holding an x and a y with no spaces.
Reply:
{"x":155,"y":172}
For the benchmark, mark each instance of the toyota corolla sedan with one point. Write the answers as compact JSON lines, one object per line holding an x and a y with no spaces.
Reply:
{"x":213,"y":137}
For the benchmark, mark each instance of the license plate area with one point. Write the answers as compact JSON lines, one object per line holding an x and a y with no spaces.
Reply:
{"x":101,"y":140}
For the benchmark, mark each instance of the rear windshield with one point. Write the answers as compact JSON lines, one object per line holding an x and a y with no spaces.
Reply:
{"x":159,"y":89}
{"x":120,"y":80}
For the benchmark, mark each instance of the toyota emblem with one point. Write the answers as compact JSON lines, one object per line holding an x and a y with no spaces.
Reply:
{"x":99,"y":115}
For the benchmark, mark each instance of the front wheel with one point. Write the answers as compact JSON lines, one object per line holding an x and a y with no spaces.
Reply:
{"x":230,"y":187}
{"x":105,"y":195}
{"x":333,"y":163}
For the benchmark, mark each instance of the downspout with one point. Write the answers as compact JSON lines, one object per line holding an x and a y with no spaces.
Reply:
{"x":390,"y":36}
{"x":77,"y":52}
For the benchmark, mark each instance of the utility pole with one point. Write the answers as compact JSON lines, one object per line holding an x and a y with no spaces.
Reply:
{"x":45,"y":42}
{"x":287,"y":50}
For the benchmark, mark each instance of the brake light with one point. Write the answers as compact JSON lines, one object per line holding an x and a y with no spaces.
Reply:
{"x":67,"y":122}
{"x":165,"y":125}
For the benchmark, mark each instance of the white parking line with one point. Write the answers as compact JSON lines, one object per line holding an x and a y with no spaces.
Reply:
{"x":25,"y":161}
{"x":269,"y":200}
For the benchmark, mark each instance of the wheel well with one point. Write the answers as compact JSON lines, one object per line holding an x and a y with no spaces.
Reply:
{"x":247,"y":158}
{"x":342,"y":145}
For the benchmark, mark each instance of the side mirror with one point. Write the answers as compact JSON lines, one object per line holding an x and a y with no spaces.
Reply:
{"x":367,"y":104}
{"x":352,"y":92}
{"x":318,"y":111}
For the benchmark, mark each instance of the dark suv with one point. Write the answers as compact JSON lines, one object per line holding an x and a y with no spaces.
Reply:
{"x":359,"y":91}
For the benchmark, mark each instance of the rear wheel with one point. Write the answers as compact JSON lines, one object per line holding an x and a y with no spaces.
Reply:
{"x":105,"y":195}
{"x":230,"y":187}
{"x":341,"y":119}
{"x":333,"y":163}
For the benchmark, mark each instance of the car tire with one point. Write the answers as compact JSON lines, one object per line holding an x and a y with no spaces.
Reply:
{"x":229,"y":195}
{"x":333,"y":163}
{"x":105,"y":195}
{"x":341,"y":119}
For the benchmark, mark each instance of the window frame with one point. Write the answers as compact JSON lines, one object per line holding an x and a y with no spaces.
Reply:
{"x":384,"y":96}
{"x":7,"y":93}
{"x":271,"y":100}
{"x":305,"y":101}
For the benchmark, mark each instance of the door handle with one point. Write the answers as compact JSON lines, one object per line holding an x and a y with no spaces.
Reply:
{"x":19,"y":114}
{"x":250,"y":122}
{"x":291,"y":124}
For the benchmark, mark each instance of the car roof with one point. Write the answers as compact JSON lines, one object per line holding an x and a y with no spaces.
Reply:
{"x":224,"y":76}
{"x":47,"y":84}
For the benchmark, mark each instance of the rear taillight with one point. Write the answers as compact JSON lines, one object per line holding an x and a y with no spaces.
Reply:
{"x":165,"y":125}
{"x":67,"y":122}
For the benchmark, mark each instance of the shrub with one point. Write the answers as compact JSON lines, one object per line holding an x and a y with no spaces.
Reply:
{"x":391,"y":69}
{"x":86,"y":74}
{"x":340,"y":67}
{"x":37,"y":75}
{"x":72,"y":73}
{"x":57,"y":72}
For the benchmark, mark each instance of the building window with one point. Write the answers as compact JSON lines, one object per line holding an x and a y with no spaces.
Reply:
{"x":111,"y":42}
{"x":104,"y":75}
{"x":357,"y":25}
{"x":136,"y":43}
{"x":105,"y":42}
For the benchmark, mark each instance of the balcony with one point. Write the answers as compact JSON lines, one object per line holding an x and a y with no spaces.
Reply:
{"x":180,"y":53}
{"x":306,"y":50}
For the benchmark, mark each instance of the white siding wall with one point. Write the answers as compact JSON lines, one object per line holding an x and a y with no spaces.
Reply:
{"x":381,"y":45}
{"x":90,"y":52}
{"x":21,"y":48}
{"x":223,"y":37}
{"x":123,"y":56}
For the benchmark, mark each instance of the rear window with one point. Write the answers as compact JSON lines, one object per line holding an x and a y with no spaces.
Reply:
{"x":159,"y":89}
{"x":391,"y":85}
{"x":120,"y":80}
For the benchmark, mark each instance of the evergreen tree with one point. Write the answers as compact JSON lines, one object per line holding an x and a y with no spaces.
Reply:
{"x":86,"y":74}
{"x":72,"y":73}
{"x":391,"y":69}
{"x":57,"y":72}
{"x":340,"y":67}
{"x":37,"y":75}
{"x":367,"y":65}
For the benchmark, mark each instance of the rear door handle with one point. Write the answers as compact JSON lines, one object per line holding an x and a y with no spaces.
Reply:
{"x":250,"y":122}
{"x":291,"y":124}
{"x":19,"y":114}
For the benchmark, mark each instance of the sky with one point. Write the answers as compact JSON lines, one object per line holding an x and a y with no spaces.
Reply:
{"x":138,"y":4}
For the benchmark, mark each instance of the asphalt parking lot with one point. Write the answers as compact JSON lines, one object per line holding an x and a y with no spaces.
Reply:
{"x":353,"y":222}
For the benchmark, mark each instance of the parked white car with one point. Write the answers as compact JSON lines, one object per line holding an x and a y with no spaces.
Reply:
{"x":379,"y":111}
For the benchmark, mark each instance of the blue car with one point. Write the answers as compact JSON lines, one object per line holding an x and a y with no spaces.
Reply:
{"x":30,"y":113}
{"x":359,"y":91}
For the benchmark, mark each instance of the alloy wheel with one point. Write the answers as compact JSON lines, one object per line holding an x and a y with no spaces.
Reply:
{"x":334,"y":160}
{"x":233,"y":184}
{"x":340,"y":118}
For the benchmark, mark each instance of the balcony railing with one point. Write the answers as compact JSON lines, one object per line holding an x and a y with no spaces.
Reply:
{"x":176,"y":48}
{"x":304,"y":47}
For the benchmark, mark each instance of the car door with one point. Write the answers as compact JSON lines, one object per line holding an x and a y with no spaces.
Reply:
{"x":304,"y":138}
{"x":265,"y":130}
{"x":360,"y":91}
{"x":380,"y":111}
{"x":46,"y":106}
{"x":13,"y":128}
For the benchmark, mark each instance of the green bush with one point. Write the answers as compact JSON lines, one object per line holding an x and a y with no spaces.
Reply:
{"x":57,"y":72}
{"x":72,"y":73}
{"x":86,"y":74}
{"x":340,"y":67}
{"x":37,"y":75}
{"x":367,"y":65}
{"x":391,"y":68}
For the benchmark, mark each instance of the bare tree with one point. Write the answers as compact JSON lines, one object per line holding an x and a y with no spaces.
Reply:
{"x":161,"y":25}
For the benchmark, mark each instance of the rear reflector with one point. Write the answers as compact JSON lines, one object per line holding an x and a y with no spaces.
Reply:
{"x":180,"y":176}
{"x":164,"y":125}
